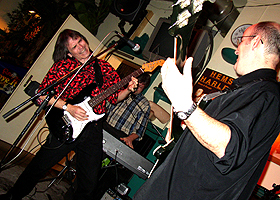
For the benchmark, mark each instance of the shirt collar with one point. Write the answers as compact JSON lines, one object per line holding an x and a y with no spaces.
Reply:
{"x":266,"y":74}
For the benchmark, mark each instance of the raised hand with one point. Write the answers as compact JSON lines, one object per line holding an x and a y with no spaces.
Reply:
{"x":178,"y":87}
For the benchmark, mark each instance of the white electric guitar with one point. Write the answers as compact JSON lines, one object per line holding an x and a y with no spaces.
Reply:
{"x":67,"y":128}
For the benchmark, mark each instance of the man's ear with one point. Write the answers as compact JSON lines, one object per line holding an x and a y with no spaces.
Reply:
{"x":256,"y":41}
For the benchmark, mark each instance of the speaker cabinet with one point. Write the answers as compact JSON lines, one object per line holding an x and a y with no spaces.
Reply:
{"x":129,"y":10}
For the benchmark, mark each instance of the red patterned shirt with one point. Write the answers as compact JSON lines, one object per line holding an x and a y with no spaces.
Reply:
{"x":83,"y":79}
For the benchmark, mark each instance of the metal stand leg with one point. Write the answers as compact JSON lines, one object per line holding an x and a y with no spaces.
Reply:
{"x":67,"y":172}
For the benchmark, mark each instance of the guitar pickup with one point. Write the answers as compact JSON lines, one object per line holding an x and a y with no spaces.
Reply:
{"x":66,"y":120}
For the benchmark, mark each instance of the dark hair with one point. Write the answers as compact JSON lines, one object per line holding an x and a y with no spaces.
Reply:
{"x":270,"y":33}
{"x":60,"y":49}
{"x":145,"y":79}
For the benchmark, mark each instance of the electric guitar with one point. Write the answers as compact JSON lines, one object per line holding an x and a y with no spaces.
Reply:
{"x":184,"y":17}
{"x":67,"y":128}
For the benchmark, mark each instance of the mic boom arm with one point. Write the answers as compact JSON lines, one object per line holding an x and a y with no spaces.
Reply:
{"x":135,"y":47}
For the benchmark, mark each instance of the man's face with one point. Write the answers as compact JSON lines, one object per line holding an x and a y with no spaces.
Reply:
{"x":78,"y":49}
{"x":243,"y":51}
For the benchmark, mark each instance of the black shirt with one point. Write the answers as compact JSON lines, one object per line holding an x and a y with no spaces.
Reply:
{"x":193,"y":172}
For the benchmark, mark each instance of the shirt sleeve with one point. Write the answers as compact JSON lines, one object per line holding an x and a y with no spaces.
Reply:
{"x":56,"y":72}
{"x":52,"y":75}
{"x":142,"y":120}
{"x":248,"y":133}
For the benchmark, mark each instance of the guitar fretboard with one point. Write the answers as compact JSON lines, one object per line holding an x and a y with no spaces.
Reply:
{"x":103,"y":95}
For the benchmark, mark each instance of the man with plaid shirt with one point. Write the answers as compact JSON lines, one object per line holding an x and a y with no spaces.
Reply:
{"x":128,"y":119}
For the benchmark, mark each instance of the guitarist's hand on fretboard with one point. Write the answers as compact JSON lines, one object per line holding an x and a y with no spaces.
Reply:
{"x":133,"y":84}
{"x":132,"y":87}
{"x":178,"y":87}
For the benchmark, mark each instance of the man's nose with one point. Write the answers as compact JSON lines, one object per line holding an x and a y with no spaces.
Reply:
{"x":80,"y":45}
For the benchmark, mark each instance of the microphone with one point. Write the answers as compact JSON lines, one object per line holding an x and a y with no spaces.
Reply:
{"x":135,"y":47}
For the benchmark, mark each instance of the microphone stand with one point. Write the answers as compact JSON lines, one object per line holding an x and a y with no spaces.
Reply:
{"x":50,"y":92}
{"x":35,"y":115}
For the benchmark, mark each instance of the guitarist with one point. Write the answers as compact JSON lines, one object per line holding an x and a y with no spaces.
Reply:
{"x":224,"y":149}
{"x":72,"y":50}
{"x":128,"y":119}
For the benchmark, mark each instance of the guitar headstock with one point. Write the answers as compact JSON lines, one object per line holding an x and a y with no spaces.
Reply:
{"x":183,"y":12}
{"x":183,"y":19}
{"x":151,"y":66}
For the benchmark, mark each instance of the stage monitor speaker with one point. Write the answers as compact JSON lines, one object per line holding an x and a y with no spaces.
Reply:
{"x":130,"y":11}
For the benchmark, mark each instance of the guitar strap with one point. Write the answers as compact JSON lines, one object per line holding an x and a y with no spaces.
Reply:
{"x":205,"y":100}
{"x":98,"y":74}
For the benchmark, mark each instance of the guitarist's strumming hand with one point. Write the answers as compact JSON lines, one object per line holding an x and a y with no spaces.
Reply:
{"x":178,"y":87}
{"x":77,"y":112}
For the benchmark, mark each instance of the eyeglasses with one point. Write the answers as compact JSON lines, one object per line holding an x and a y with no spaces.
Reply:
{"x":239,"y":39}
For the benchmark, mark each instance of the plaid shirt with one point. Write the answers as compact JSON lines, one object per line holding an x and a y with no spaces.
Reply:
{"x":130,"y":115}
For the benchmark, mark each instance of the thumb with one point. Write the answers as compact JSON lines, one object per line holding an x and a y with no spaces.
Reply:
{"x":188,"y":66}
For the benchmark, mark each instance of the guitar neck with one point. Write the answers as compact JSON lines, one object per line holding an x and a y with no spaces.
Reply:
{"x":106,"y":93}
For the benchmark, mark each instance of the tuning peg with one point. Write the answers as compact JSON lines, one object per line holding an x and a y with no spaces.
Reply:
{"x":183,"y":3}
{"x":182,"y":19}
